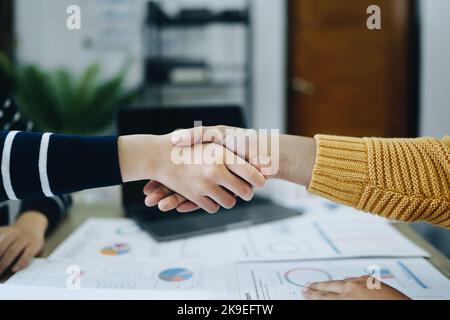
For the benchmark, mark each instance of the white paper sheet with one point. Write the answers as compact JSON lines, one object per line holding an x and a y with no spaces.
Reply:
{"x":415,"y":277}
{"x":20,"y":292}
{"x":325,"y":236}
{"x":309,"y":237}
{"x":213,"y":281}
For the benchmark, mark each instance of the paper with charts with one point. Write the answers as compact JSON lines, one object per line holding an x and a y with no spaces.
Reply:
{"x":289,"y":239}
{"x":26,"y":292}
{"x":200,"y":279}
{"x":415,"y":277}
{"x":246,"y":280}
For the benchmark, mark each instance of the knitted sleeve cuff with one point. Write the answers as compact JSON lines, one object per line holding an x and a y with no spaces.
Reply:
{"x":340,"y":172}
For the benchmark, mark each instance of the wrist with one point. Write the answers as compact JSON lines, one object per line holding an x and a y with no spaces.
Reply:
{"x":138,"y":156}
{"x":297,"y":159}
{"x":33,"y":222}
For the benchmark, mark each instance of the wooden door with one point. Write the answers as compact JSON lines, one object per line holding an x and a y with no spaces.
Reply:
{"x":346,"y":79}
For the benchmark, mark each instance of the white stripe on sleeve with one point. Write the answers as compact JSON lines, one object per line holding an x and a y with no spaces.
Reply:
{"x":45,"y":184}
{"x":6,"y":158}
{"x":60,"y":203}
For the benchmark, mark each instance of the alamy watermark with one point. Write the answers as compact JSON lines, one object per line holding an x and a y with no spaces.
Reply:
{"x":73,"y":21}
{"x":374,"y":277}
{"x":258,"y":147}
{"x":373,"y":22}
{"x":73,"y":281}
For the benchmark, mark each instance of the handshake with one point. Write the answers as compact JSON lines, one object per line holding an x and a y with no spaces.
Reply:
{"x":204,"y":167}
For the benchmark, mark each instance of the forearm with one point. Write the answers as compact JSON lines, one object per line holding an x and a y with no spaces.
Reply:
{"x":400,"y":179}
{"x":297,"y":156}
{"x":137,"y":156}
{"x":36,"y":165}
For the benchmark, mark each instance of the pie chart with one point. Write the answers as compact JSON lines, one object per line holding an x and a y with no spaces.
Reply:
{"x":175,"y":275}
{"x":299,"y":277}
{"x":116,"y":249}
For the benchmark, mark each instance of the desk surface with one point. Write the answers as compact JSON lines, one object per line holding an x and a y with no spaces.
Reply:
{"x":110,"y":207}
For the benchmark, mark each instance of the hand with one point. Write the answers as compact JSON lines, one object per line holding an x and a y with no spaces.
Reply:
{"x":351,"y":289}
{"x":246,"y":143}
{"x":166,"y":199}
{"x":22,"y":241}
{"x":214,"y":181}
{"x":221,"y":135}
{"x":292,"y":160}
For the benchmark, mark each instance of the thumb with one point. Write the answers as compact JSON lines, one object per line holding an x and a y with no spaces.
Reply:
{"x":186,"y":137}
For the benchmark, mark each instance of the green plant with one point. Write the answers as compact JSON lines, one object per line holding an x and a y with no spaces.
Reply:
{"x":57,"y":101}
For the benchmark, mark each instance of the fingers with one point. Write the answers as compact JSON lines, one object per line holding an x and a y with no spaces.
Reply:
{"x":244,"y":170}
{"x":222,"y":197}
{"x":25,"y":259}
{"x":175,"y":201}
{"x":328,"y":286}
{"x":207,"y":204}
{"x":150,"y":186}
{"x":237,"y":186}
{"x":187,"y":206}
{"x":188,"y":137}
{"x":171,"y":202}
{"x":167,"y":200}
{"x":311,"y":294}
{"x":11,"y":254}
{"x":7,"y":237}
{"x":156,"y":195}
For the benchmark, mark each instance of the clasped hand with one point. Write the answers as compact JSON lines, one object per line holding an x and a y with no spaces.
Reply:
{"x":214,"y":181}
{"x":211,"y":185}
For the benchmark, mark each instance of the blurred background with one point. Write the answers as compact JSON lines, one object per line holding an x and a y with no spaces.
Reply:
{"x":304,"y":66}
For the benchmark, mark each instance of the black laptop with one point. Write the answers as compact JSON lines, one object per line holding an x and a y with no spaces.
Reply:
{"x":173,"y":225}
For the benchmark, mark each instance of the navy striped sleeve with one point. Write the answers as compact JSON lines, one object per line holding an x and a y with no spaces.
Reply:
{"x":3,"y":195}
{"x":36,"y":165}
{"x":20,"y":168}
{"x":75,"y":163}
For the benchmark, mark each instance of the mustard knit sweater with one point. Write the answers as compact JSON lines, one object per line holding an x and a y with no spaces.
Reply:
{"x":400,"y":179}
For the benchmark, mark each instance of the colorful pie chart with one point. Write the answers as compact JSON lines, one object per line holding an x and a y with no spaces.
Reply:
{"x":175,"y":275}
{"x":116,"y":249}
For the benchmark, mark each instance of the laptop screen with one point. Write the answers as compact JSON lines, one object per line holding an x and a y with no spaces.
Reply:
{"x":162,"y":121}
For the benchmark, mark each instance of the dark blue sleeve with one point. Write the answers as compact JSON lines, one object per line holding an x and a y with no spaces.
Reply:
{"x":36,"y":165}
{"x":75,"y":163}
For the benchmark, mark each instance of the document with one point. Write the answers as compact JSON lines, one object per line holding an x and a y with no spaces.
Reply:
{"x":326,"y":236}
{"x":297,"y":238}
{"x":197,"y":277}
{"x":19,"y":292}
{"x":415,"y":277}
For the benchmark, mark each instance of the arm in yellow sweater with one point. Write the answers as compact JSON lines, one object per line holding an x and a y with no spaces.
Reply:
{"x":400,"y":179}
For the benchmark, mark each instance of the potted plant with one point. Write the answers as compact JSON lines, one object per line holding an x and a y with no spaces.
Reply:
{"x":57,"y":101}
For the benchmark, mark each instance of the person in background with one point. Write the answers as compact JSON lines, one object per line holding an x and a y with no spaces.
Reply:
{"x":400,"y":179}
{"x":25,"y":224}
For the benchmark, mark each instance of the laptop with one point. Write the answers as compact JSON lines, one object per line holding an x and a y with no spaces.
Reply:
{"x":173,"y":225}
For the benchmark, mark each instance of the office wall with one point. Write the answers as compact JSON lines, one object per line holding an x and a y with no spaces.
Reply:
{"x":43,"y":39}
{"x":435,"y":93}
